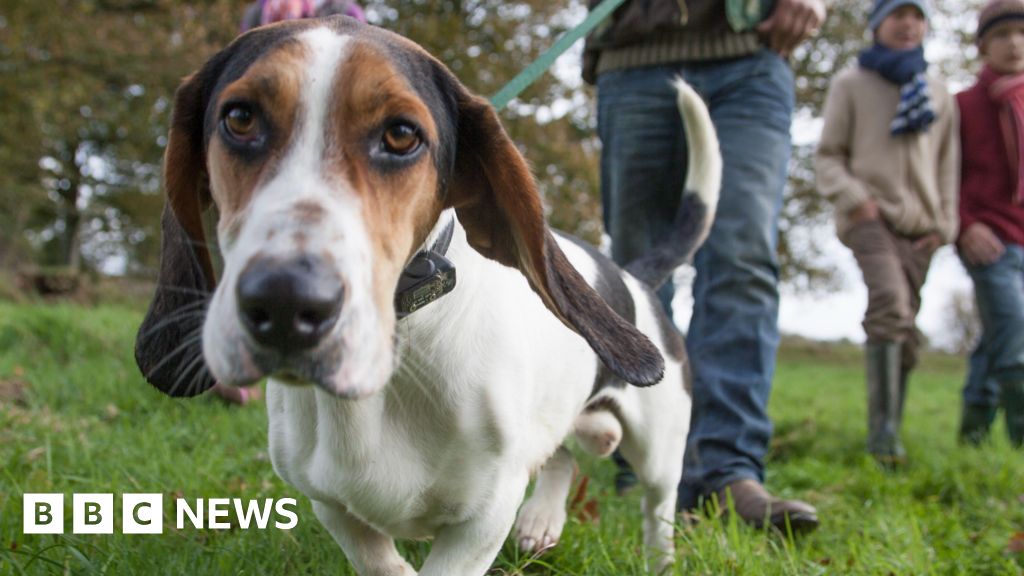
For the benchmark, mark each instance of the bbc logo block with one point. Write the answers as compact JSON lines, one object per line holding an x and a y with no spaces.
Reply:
{"x":93,"y":513}
{"x":43,"y":514}
{"x":144,"y":514}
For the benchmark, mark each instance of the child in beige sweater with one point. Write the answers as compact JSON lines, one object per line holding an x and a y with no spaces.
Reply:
{"x":889,"y":160}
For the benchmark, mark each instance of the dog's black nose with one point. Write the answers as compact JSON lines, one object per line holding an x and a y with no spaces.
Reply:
{"x":289,"y":305}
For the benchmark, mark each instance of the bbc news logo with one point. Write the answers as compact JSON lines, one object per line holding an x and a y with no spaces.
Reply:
{"x":144,"y":513}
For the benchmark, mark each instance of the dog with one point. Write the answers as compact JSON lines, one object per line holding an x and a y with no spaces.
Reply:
{"x":346,"y":219}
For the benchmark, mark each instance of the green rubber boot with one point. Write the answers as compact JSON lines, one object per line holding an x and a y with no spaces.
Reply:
{"x":1013,"y":404}
{"x":884,"y":403}
{"x":975,"y":423}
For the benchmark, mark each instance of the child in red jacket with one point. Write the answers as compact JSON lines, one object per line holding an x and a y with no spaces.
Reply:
{"x":991,"y":240}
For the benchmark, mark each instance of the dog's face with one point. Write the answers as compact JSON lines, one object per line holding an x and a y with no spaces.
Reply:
{"x":329,"y":150}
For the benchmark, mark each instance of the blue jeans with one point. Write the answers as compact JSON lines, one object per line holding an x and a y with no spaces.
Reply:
{"x":733,"y":334}
{"x":999,"y":355}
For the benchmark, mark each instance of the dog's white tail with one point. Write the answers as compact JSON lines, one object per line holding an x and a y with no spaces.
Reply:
{"x":700,"y":197}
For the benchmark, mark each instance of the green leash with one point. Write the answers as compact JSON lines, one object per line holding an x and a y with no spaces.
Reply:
{"x":528,"y":76}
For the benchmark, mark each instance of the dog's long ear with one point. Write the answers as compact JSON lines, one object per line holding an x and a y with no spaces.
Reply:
{"x":498,"y":203}
{"x":168,"y":347}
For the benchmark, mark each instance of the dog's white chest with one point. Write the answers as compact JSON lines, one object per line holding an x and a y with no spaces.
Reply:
{"x":401,"y":477}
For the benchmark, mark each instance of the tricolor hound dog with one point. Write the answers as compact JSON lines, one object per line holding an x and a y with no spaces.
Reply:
{"x":338,"y":156}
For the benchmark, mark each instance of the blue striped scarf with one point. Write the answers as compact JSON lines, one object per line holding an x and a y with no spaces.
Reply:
{"x":906,"y":69}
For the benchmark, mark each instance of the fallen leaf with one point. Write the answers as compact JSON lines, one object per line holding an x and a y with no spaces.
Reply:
{"x":591,"y":511}
{"x":237,"y":485}
{"x":1016,"y":544}
{"x":111,"y":412}
{"x":34,"y":454}
{"x":583,"y":508}
{"x":581,"y":492}
{"x":13,"y":391}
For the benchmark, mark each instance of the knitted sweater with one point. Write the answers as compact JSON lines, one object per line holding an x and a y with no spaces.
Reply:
{"x":913,"y":177}
{"x":987,"y":180}
{"x":656,"y":32}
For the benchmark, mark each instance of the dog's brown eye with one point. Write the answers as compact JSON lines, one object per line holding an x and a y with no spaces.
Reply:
{"x":400,"y":139}
{"x":240,"y":123}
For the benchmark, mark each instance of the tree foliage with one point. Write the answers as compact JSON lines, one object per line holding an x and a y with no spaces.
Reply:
{"x":86,"y":87}
{"x":87,"y":84}
{"x":486,"y":43}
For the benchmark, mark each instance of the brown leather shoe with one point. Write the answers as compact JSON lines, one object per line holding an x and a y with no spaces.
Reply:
{"x":756,"y":506}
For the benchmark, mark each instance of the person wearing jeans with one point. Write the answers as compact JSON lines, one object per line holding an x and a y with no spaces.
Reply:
{"x":991,"y":242}
{"x":996,"y":375}
{"x":733,"y":53}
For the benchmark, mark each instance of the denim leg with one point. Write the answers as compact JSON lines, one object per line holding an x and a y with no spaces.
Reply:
{"x":733,"y":335}
{"x":999,"y":291}
{"x":980,"y":390}
{"x":643,"y":160}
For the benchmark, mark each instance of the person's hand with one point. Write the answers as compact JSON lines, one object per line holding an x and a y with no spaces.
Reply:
{"x":928,"y":243}
{"x":790,"y":23}
{"x":980,"y":246}
{"x":868,"y":210}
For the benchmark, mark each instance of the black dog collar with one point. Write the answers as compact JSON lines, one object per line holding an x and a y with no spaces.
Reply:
{"x":427,"y":277}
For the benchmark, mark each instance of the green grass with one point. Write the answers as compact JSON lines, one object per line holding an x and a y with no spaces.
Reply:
{"x":76,"y":417}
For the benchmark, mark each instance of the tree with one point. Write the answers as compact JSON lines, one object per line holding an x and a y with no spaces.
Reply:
{"x":90,"y":81}
{"x":486,"y":43}
{"x":89,"y":85}
{"x":963,"y":324}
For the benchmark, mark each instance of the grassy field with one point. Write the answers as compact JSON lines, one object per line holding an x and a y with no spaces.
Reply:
{"x":75,"y":416}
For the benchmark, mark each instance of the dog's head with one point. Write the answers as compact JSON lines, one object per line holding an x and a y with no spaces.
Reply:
{"x":329,"y":149}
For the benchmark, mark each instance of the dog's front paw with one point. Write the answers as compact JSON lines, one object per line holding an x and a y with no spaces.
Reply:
{"x":539,"y":525}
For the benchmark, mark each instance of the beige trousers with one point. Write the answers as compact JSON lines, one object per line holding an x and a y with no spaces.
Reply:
{"x":894,"y":272}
